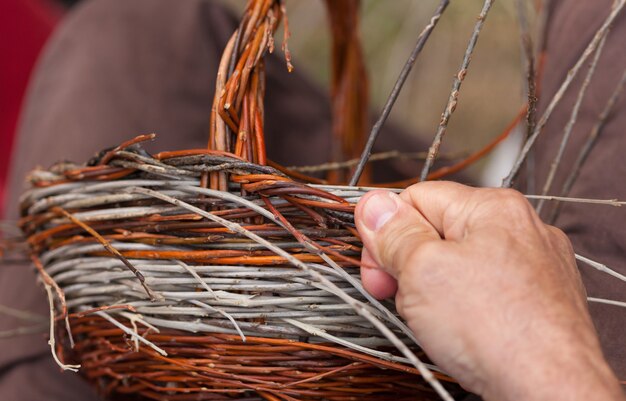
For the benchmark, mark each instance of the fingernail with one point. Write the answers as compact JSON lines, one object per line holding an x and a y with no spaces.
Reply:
{"x":379,"y":208}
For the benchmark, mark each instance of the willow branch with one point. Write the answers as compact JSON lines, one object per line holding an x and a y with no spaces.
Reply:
{"x":611,"y":202}
{"x":392,"y":154}
{"x":556,"y":99}
{"x":107,"y":245}
{"x":600,"y":267}
{"x":393,"y":96}
{"x":567,"y":132}
{"x":589,"y":144}
{"x":52,"y":341}
{"x":454,"y":94}
{"x":527,"y":47}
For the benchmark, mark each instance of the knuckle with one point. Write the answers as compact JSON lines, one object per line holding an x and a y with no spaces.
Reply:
{"x":560,"y":239}
{"x":512,"y":199}
{"x":509,"y":203}
{"x":557,"y":234}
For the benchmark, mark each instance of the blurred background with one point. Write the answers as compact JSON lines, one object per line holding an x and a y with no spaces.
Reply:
{"x":492,"y":93}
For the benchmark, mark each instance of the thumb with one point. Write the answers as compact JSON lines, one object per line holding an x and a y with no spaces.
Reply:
{"x":392,"y":230}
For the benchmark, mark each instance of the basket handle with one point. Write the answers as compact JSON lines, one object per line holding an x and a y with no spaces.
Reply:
{"x":237,"y":114}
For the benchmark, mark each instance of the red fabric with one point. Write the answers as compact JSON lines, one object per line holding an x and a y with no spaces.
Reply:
{"x":24,"y":27}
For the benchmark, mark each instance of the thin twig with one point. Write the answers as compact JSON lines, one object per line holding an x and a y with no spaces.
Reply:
{"x":589,"y":144}
{"x":556,"y":99}
{"x":51,"y":341}
{"x":467,"y":161}
{"x":600,"y":267}
{"x":381,"y":156}
{"x":567,"y":132}
{"x":87,"y":312}
{"x":107,"y":245}
{"x":607,"y":302}
{"x":196,"y":276}
{"x":433,"y":151}
{"x":477,"y":155}
{"x":138,"y":139}
{"x":540,"y":49}
{"x":221,"y":312}
{"x":130,"y":332}
{"x":610,"y":202}
{"x":286,"y":35}
{"x":528,"y":55}
{"x":317,"y":377}
{"x":393,"y":96}
{"x":47,"y":279}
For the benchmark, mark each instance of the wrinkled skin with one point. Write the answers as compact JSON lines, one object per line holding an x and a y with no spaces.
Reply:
{"x":491,"y":292}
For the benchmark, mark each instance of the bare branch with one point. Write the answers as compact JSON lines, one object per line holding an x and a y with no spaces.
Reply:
{"x":107,"y":245}
{"x":611,"y":202}
{"x":454,"y":94}
{"x":527,"y":47}
{"x":600,"y":267}
{"x":392,"y":154}
{"x":567,"y":132}
{"x":591,"y":47}
{"x":606,"y":301}
{"x":589,"y":144}
{"x":51,"y":341}
{"x":421,"y":41}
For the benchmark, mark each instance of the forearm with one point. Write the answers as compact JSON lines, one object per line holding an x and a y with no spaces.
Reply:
{"x":572,"y":372}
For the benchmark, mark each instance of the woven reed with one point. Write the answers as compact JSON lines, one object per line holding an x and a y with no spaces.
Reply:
{"x":229,"y":317}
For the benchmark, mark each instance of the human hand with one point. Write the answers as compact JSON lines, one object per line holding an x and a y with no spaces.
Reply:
{"x":492,"y":294}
